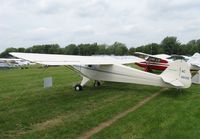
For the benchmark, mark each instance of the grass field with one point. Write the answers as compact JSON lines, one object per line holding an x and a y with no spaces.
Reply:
{"x":27,"y":110}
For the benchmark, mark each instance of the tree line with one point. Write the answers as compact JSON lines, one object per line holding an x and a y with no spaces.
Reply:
{"x":169,"y":45}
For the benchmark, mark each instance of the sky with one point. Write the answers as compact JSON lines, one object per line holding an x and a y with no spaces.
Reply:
{"x":24,"y":23}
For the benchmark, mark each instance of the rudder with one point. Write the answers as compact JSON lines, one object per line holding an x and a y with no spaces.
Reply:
{"x":177,"y":74}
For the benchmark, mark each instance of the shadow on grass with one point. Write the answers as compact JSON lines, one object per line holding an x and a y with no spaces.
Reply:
{"x":67,"y":93}
{"x":175,"y":93}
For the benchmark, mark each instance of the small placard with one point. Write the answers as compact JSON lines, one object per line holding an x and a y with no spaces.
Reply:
{"x":48,"y":82}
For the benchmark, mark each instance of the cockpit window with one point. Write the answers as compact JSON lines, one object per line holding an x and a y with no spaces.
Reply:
{"x":152,"y":59}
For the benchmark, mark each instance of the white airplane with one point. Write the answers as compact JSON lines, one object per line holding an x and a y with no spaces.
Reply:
{"x":110,"y":69}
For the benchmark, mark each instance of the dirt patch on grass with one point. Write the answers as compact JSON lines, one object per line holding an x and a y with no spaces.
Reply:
{"x":47,"y":124}
{"x":105,"y":124}
{"x":59,"y":120}
{"x":38,"y":127}
{"x":56,"y":121}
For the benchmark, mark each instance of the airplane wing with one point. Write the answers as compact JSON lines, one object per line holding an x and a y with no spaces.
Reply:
{"x":55,"y":59}
{"x":146,"y":56}
{"x":142,"y":55}
{"x":162,"y":56}
{"x":153,"y":59}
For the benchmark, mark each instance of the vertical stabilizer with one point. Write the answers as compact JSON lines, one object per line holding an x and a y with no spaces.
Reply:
{"x":177,"y":74}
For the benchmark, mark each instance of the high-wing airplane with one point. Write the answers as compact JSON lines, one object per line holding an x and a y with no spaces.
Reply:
{"x":162,"y":61}
{"x":110,"y":69}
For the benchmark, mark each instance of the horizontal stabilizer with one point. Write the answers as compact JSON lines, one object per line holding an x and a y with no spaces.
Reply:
{"x":176,"y":83}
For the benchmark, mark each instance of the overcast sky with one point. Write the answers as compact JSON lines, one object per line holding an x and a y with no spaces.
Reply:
{"x":24,"y":23}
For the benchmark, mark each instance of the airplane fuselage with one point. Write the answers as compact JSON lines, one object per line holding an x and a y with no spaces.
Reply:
{"x":120,"y":73}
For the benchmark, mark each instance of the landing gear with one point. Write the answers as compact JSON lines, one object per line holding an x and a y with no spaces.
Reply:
{"x":97,"y":84}
{"x":78,"y":87}
{"x":148,"y":69}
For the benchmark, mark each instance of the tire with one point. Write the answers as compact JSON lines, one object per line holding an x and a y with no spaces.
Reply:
{"x":78,"y":87}
{"x":97,"y":84}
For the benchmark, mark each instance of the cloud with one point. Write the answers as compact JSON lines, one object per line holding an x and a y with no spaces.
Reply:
{"x":51,"y":7}
{"x":28,"y":22}
{"x":91,"y":9}
{"x":41,"y":33}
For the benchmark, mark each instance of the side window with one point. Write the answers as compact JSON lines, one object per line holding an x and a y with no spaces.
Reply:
{"x":152,"y":59}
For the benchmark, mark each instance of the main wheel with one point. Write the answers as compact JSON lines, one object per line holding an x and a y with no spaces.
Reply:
{"x":97,"y":83}
{"x":78,"y":87}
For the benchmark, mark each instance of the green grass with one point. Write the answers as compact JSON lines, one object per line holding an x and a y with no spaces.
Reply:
{"x":27,"y":110}
{"x":172,"y":115}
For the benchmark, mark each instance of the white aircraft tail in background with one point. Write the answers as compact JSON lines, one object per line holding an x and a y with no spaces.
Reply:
{"x":195,"y":61}
{"x":110,"y":69}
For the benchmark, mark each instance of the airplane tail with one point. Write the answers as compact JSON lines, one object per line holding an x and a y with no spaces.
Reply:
{"x":195,"y":60}
{"x":177,"y":74}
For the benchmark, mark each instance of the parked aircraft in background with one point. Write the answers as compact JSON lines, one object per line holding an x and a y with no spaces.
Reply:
{"x":4,"y":64}
{"x":162,"y":61}
{"x":110,"y":69}
{"x":13,"y":62}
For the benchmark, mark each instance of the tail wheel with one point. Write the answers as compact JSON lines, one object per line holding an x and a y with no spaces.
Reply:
{"x":97,"y":83}
{"x":78,"y":87}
